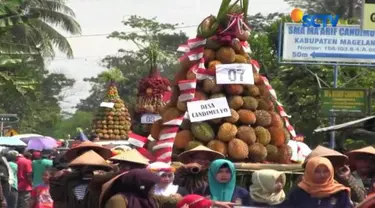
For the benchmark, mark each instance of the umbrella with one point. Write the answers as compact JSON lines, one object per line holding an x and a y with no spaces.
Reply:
{"x":10,"y":141}
{"x":25,"y":137}
{"x":41,"y":143}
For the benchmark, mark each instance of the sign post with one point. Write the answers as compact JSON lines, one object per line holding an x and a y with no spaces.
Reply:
{"x":7,"y":118}
{"x":341,"y":45}
{"x":368,"y":15}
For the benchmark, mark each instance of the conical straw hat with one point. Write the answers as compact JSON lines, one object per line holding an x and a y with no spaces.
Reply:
{"x":332,"y":155}
{"x":87,"y":145}
{"x":185,"y":157}
{"x":369,"y":151}
{"x":131,"y":156}
{"x":90,"y":158}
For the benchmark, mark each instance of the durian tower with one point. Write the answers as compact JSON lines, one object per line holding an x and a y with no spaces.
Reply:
{"x":255,"y":132}
{"x":112,"y":123}
{"x":150,"y":98}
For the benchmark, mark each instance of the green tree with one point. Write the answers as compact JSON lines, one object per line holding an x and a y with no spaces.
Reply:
{"x":68,"y":126}
{"x":28,"y":27}
{"x":156,"y":47}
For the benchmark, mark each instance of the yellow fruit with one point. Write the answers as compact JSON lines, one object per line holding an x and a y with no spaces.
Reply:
{"x":218,"y":146}
{"x":212,"y":65}
{"x":263,"y":118}
{"x":263,"y":135}
{"x":246,"y":134}
{"x":234,"y":118}
{"x":226,"y":55}
{"x":238,"y":149}
{"x":250,"y":103}
{"x":170,"y":113}
{"x":227,"y":132}
{"x":235,"y":102}
{"x":240,"y":59}
{"x":246,"y":116}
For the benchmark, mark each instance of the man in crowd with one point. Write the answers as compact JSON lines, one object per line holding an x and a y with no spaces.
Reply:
{"x":39,"y":165}
{"x":24,"y":176}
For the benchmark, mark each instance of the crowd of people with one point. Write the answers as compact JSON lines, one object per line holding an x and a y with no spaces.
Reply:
{"x":92,"y":176}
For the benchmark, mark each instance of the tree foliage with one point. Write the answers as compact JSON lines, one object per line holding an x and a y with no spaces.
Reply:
{"x":156,"y":47}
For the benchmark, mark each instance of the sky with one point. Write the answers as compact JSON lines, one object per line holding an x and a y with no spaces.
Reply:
{"x":98,"y":18}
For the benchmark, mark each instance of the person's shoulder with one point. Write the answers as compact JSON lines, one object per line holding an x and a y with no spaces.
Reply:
{"x":117,"y":200}
{"x":241,"y":190}
{"x":342,"y":193}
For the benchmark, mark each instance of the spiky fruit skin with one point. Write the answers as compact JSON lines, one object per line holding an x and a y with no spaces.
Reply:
{"x":277,"y":136}
{"x":170,"y":114}
{"x":226,"y":55}
{"x":193,"y":144}
{"x":217,"y":95}
{"x":284,"y":154}
{"x":257,"y":152}
{"x":235,"y":102}
{"x":202,"y":131}
{"x":272,"y":153}
{"x":234,"y":118}
{"x":218,"y":146}
{"x":181,"y":106}
{"x":238,"y":149}
{"x":212,"y":65}
{"x":209,"y":55}
{"x":263,"y":118}
{"x":234,"y":89}
{"x":246,"y":116}
{"x":287,"y":136}
{"x":209,"y":85}
{"x":265,"y":103}
{"x":263,"y":135}
{"x":250,"y":103}
{"x":252,"y":90}
{"x":246,"y":134}
{"x":227,"y":132}
{"x":276,"y":120}
{"x":112,"y":123}
{"x":240,"y":59}
{"x":182,"y":139}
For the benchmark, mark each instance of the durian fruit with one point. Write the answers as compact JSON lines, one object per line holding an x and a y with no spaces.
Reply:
{"x":212,"y":65}
{"x":263,"y":118}
{"x":183,"y":138}
{"x":240,"y":59}
{"x":193,"y":144}
{"x":217,"y":95}
{"x":265,"y":103}
{"x":276,"y":120}
{"x":287,"y":136}
{"x":112,"y":123}
{"x":209,"y":55}
{"x":284,"y":154}
{"x":251,"y":90}
{"x":218,"y":146}
{"x":200,"y":95}
{"x":235,"y":102}
{"x":263,"y":135}
{"x":234,"y":118}
{"x":226,"y":55}
{"x":246,"y":134}
{"x":257,"y":152}
{"x":246,"y":116}
{"x":234,"y":89}
{"x":250,"y":103}
{"x":170,"y":114}
{"x":277,"y":136}
{"x":272,"y":153}
{"x":209,"y":85}
{"x":181,"y":106}
{"x":202,"y":131}
{"x":238,"y":149}
{"x":227,"y":132}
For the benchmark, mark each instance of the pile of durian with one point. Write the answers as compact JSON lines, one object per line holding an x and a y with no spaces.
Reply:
{"x":255,"y":132}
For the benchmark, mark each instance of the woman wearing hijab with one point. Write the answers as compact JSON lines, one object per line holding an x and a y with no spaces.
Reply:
{"x":133,"y":190}
{"x":222,"y":187}
{"x":166,"y":186}
{"x":318,"y":188}
{"x":267,"y":188}
{"x":194,"y":201}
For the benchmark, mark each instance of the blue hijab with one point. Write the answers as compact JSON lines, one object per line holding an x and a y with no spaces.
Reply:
{"x":221,"y":191}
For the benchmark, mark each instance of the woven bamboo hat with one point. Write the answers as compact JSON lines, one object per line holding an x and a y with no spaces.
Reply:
{"x":87,"y":145}
{"x":368,"y":151}
{"x":185,"y":157}
{"x":132,"y":156}
{"x":321,"y":151}
{"x":90,"y":158}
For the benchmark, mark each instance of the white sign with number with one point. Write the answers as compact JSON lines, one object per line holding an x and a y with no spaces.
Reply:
{"x":203,"y":110}
{"x":234,"y":74}
{"x":149,"y":118}
{"x":107,"y":104}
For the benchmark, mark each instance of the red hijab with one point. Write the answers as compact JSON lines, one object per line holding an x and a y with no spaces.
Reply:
{"x":194,"y":201}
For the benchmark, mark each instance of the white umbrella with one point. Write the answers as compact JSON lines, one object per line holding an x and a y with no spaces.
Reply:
{"x":21,"y":136}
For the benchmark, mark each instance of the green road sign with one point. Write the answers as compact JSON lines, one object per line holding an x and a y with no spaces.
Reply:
{"x":343,"y":101}
{"x":8,"y":118}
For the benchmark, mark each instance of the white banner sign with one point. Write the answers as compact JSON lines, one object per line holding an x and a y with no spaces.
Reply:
{"x":107,"y":104}
{"x":149,"y":118}
{"x":331,"y":44}
{"x":203,"y":110}
{"x":234,"y":74}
